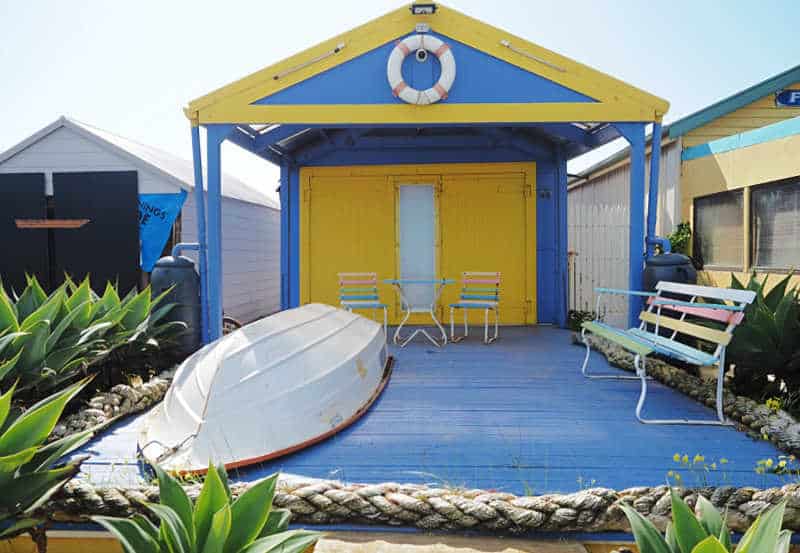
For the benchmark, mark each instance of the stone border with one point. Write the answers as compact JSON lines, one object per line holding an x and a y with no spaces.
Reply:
{"x":779,"y":427}
{"x":315,"y":502}
{"x":120,"y":401}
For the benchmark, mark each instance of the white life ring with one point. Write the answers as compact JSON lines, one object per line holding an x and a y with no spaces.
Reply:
{"x":394,"y":69}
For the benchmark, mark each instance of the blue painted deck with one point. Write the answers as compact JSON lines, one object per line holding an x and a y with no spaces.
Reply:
{"x":515,"y":416}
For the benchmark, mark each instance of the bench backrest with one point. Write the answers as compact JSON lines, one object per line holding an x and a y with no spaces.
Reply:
{"x":722,"y":305}
{"x":358,"y":287}
{"x":480,"y":286}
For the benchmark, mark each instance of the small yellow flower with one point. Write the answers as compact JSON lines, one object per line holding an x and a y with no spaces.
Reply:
{"x":713,"y":466}
{"x":698,"y":458}
{"x":768,"y":463}
{"x":723,"y":461}
{"x":677,"y":476}
{"x":671,"y":474}
{"x":677,"y":457}
{"x":685,"y":459}
{"x":764,"y":437}
{"x":791,"y":457}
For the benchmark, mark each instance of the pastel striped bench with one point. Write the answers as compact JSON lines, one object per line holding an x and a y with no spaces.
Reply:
{"x":722,"y":306}
{"x":479,"y":291}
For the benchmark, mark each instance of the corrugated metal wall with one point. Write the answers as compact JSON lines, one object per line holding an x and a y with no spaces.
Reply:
{"x":598,"y":231}
{"x":251,"y":258}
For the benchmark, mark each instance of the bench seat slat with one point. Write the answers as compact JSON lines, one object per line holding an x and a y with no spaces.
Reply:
{"x":621,"y":337}
{"x":706,"y":311}
{"x":671,"y":348}
{"x":702,"y":332}
{"x":738,"y":296}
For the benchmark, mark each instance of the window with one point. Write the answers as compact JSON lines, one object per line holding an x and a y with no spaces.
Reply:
{"x":718,"y":229}
{"x":775,"y":226}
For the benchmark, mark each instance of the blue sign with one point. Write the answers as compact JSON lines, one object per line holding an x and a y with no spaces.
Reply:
{"x":788,"y":98}
{"x":157,"y":213}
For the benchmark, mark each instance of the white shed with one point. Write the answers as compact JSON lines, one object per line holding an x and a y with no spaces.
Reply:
{"x":598,"y":203}
{"x":66,"y":148}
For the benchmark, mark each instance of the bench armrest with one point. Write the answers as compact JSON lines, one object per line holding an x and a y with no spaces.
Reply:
{"x":725,"y":307}
{"x":624,"y":292}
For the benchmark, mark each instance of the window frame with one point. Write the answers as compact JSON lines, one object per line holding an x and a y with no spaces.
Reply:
{"x":765,"y":186}
{"x":708,"y":266}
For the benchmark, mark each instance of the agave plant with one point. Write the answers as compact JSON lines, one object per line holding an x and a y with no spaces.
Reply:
{"x":708,"y":532}
{"x":768,"y":341}
{"x":29,"y":470}
{"x":47,"y":340}
{"x":213,"y":524}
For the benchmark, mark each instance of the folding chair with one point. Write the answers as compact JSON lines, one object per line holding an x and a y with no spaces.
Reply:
{"x":479,"y":291}
{"x":360,"y":291}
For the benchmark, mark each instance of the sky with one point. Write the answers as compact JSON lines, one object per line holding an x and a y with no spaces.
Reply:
{"x":129,"y":67}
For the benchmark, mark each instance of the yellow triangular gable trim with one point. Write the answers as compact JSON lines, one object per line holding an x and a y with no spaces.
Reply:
{"x":617,"y":100}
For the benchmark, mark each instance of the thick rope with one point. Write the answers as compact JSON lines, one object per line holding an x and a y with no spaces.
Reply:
{"x":122,"y":400}
{"x":314,"y":502}
{"x":777,"y":426}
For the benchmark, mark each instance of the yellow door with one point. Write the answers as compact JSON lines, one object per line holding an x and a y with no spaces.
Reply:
{"x":350,"y":228}
{"x":488,"y":223}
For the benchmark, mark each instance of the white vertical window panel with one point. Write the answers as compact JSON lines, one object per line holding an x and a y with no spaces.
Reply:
{"x":417,"y":228}
{"x":718,"y":221}
{"x":776,"y":225}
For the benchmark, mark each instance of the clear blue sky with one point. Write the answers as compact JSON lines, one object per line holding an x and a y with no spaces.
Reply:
{"x":129,"y":67}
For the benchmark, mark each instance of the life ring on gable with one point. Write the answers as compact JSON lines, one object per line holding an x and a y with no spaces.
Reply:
{"x":421,"y":43}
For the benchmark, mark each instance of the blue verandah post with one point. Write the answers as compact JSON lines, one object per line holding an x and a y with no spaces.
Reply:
{"x":200,"y":207}
{"x":215,"y":135}
{"x":652,"y":192}
{"x":634,"y":134}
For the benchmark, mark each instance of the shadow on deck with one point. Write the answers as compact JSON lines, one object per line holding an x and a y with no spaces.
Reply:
{"x":515,"y":416}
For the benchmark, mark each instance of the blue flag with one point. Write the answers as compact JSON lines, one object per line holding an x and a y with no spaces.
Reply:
{"x":157,"y":213}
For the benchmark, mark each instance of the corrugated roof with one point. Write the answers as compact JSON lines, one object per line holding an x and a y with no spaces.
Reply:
{"x":734,"y":102}
{"x":177,"y":169}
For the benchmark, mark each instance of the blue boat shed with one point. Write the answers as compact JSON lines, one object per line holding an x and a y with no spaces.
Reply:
{"x":424,"y":95}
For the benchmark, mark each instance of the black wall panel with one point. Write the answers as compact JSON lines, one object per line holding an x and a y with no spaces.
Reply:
{"x":107,"y":247}
{"x":22,"y":250}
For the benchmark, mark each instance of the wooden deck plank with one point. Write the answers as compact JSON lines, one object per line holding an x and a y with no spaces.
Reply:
{"x":515,"y":416}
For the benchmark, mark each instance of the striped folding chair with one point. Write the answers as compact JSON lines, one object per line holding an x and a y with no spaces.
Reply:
{"x":479,"y":291}
{"x":360,"y":291}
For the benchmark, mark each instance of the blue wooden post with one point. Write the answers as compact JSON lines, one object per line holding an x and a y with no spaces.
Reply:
{"x":652,"y":196}
{"x":215,"y":135}
{"x":562,"y":285}
{"x":284,"y":195}
{"x":200,"y":206}
{"x":634,"y":134}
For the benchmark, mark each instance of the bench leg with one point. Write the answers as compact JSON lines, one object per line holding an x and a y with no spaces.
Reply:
{"x":453,"y":338}
{"x":641,"y":370}
{"x":585,"y":367}
{"x":486,"y":338}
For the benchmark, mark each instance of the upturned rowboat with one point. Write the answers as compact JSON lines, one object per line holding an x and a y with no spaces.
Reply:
{"x":268,"y":389}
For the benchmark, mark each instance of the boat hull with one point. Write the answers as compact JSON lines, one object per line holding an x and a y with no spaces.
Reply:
{"x":269,"y":389}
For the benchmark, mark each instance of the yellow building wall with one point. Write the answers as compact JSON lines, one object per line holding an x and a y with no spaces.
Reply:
{"x":486,"y":218}
{"x":739,"y":169}
{"x":759,"y":114}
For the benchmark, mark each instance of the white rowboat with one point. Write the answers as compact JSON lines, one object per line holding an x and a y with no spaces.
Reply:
{"x":268,"y":389}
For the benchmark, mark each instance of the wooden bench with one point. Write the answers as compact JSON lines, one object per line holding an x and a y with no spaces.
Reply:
{"x":723,"y":306}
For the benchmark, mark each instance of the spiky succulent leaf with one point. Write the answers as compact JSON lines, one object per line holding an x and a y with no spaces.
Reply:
{"x":688,"y":530}
{"x":763,"y":534}
{"x":213,"y":496}
{"x":249,"y":514}
{"x":293,"y":541}
{"x":131,"y":534}
{"x":646,"y":535}
{"x":172,"y":495}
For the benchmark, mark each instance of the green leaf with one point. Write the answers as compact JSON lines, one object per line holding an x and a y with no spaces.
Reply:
{"x":709,"y":545}
{"x":175,"y":534}
{"x":669,"y":537}
{"x":735,"y":283}
{"x":49,"y":454}
{"x":7,"y":366}
{"x":33,"y":426}
{"x":8,"y":316}
{"x":33,"y":346}
{"x":132,"y":537}
{"x":784,"y":541}
{"x":7,"y":339}
{"x":763,"y":533}
{"x":688,"y":531}
{"x":27,"y":492}
{"x":32,"y":297}
{"x":5,"y":404}
{"x":279,"y":519}
{"x":223,"y":476}
{"x":10,"y":463}
{"x":249,"y":513}
{"x":213,"y":496}
{"x":725,"y":537}
{"x":172,"y":495}
{"x":45,"y":312}
{"x":295,"y":541}
{"x":647,"y":537}
{"x":62,"y":326}
{"x":136,"y":310}
{"x":108,"y":301}
{"x":219,"y":531}
{"x":709,"y":517}
{"x":777,"y":293}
